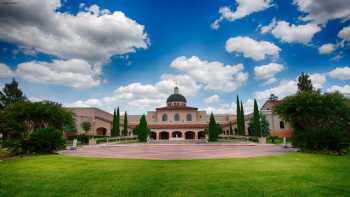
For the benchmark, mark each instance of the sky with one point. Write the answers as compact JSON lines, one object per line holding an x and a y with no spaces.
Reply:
{"x":132,"y":53}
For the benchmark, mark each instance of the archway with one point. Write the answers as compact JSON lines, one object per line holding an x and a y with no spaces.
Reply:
{"x":201,"y":135}
{"x":164,"y":135}
{"x":153,"y":135}
{"x":176,"y":134}
{"x":189,"y":135}
{"x":101,"y":131}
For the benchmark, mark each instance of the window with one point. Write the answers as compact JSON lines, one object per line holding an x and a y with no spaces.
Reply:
{"x":164,"y":117}
{"x":189,"y":117}
{"x":177,"y":117}
{"x":281,"y":124}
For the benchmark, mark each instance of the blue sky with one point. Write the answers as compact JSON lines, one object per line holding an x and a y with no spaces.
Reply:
{"x":132,"y":53}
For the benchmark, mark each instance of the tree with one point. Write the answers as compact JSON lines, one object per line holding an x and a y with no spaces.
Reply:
{"x":214,"y":130}
{"x":45,"y":140}
{"x":230,"y":128}
{"x":11,"y":94}
{"x":117,"y":124}
{"x":256,"y":120}
{"x":304,"y":83}
{"x":242,"y":120}
{"x":125,"y":129}
{"x":238,"y":112}
{"x":114,"y":126}
{"x":320,"y":121}
{"x":142,"y":131}
{"x":265,"y":127}
{"x":86,"y":126}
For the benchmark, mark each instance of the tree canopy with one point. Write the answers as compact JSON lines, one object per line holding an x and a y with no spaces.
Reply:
{"x":214,"y":129}
{"x":125,"y":125}
{"x":11,"y":94}
{"x":304,"y":83}
{"x":141,"y":130}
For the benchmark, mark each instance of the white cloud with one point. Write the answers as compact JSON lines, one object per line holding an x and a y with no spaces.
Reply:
{"x":283,"y":89}
{"x":244,"y":8}
{"x":268,"y":71}
{"x":342,"y":89}
{"x":212,"y":99}
{"x":250,"y":48}
{"x":318,"y":80}
{"x":321,"y":11}
{"x":345,"y":33}
{"x":327,"y":48}
{"x":340,"y":73}
{"x":5,"y":71}
{"x":213,"y":75}
{"x":74,"y":72}
{"x":291,"y":33}
{"x":92,"y":35}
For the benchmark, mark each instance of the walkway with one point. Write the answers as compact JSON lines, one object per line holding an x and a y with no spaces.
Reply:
{"x":178,"y":151}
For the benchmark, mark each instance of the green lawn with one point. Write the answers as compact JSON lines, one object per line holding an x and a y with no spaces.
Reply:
{"x":293,"y":174}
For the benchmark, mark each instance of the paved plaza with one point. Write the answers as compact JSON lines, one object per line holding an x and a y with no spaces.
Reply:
{"x":178,"y":151}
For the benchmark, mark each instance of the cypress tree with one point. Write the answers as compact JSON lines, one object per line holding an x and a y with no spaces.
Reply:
{"x":256,"y":120}
{"x":125,"y":126}
{"x":242,"y":120}
{"x":238,"y":117}
{"x":142,"y":130}
{"x":117,"y":124}
{"x":231,"y":129}
{"x":114,"y":126}
{"x":213,"y":130}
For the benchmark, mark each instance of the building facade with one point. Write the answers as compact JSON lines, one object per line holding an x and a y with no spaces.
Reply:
{"x":175,"y":121}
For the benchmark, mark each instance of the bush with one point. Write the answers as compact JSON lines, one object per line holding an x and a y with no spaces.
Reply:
{"x":45,"y":140}
{"x":83,"y":139}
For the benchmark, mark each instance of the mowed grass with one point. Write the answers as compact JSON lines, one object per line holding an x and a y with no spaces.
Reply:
{"x":293,"y":174}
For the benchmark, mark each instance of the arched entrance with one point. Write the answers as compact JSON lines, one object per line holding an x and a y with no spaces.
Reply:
{"x":101,"y":131}
{"x":189,"y":135}
{"x":201,"y":135}
{"x":153,"y":135}
{"x":164,"y":135}
{"x":176,"y":134}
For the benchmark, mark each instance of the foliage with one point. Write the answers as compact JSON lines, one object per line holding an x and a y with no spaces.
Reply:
{"x":116,"y":124}
{"x":231,"y":129}
{"x":83,"y":139}
{"x":240,"y":118}
{"x":125,"y":125}
{"x":304,"y":83}
{"x":265,"y":126}
{"x":142,"y":131}
{"x":86,"y":126}
{"x":320,"y":121}
{"x":46,"y":140}
{"x":214,"y":129}
{"x":11,"y":94}
{"x":256,"y":120}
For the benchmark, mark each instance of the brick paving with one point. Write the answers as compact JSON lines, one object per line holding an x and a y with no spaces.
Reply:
{"x":178,"y":151}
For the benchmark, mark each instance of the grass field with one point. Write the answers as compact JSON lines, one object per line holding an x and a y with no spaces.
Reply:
{"x":293,"y":174}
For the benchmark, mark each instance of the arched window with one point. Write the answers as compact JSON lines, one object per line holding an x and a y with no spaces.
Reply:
{"x":281,"y":124}
{"x":177,"y":117}
{"x":164,"y":117}
{"x":189,"y":117}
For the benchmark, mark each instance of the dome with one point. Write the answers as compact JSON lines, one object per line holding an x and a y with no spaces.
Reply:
{"x":176,"y":97}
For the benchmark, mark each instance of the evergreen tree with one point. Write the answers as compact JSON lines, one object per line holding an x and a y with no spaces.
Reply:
{"x":238,"y":117}
{"x":125,"y":126}
{"x":265,"y":129}
{"x":11,"y":94}
{"x":213,"y":130}
{"x":117,"y":124}
{"x":242,"y":120}
{"x":114,"y":126}
{"x":304,"y":83}
{"x":141,"y":130}
{"x":256,"y":120}
{"x":231,"y":129}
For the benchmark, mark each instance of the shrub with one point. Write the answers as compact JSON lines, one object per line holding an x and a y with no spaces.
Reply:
{"x":83,"y":139}
{"x":45,"y":140}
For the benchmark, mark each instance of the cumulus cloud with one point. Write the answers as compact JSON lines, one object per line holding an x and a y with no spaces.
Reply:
{"x":345,"y":33}
{"x":268,"y":71}
{"x":212,"y":75}
{"x":291,"y":33}
{"x":250,"y":48}
{"x":5,"y":71}
{"x":318,"y":80}
{"x":76,"y":73}
{"x":340,"y":73}
{"x":226,"y":108}
{"x":342,"y":89}
{"x":327,"y":48}
{"x":283,"y":89}
{"x":321,"y":11}
{"x":90,"y":35}
{"x":244,"y":8}
{"x":212,"y":99}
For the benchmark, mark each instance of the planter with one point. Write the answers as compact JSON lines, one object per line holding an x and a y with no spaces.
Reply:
{"x":262,"y":140}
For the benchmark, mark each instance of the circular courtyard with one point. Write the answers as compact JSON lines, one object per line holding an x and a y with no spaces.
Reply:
{"x":178,"y":151}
